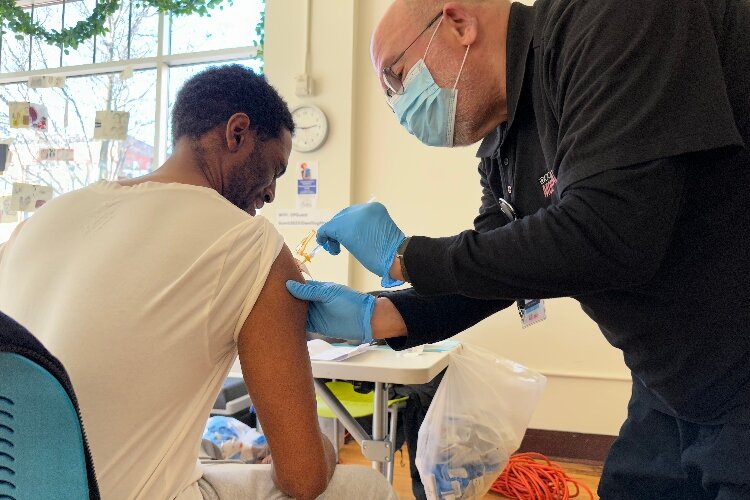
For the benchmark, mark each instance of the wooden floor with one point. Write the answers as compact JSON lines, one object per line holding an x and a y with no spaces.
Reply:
{"x":351,"y":454}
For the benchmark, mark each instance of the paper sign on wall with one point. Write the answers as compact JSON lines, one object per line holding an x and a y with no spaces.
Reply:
{"x":4,"y":156}
{"x":19,"y":114}
{"x":29,"y":197}
{"x":307,"y":184}
{"x":7,"y":215}
{"x":45,"y":82}
{"x":111,"y":125}
{"x":52,"y":154}
{"x":127,"y":73}
{"x":28,"y":115}
{"x":38,"y":116}
{"x":310,"y":218}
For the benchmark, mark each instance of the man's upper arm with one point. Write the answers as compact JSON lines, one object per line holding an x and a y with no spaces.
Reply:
{"x":276,"y":368}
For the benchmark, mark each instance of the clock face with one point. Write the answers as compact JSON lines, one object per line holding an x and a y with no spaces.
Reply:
{"x":310,"y":128}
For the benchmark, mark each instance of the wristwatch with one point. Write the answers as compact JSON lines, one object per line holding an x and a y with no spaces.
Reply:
{"x":400,"y":256}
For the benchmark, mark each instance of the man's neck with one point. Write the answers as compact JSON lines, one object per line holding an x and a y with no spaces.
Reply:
{"x":182,"y":168}
{"x":495,"y":21}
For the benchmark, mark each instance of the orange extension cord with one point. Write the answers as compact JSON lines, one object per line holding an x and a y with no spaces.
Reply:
{"x":531,"y":476}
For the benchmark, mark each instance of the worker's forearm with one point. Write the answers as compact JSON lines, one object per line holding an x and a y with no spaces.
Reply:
{"x":431,"y":319}
{"x":386,"y":320}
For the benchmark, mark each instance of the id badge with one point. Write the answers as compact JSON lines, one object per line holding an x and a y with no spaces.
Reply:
{"x":531,"y":311}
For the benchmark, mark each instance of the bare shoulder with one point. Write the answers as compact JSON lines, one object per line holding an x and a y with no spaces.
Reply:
{"x":276,"y":368}
{"x":274,"y":302}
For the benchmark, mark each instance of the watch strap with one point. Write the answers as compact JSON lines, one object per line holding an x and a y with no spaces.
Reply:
{"x":401,"y":261}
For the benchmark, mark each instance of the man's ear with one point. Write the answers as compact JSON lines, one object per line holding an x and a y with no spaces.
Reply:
{"x":238,"y":133}
{"x":462,"y":22}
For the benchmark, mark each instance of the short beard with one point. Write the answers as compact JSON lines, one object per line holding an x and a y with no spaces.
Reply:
{"x":461,"y":134}
{"x":244,"y":181}
{"x":472,"y":119}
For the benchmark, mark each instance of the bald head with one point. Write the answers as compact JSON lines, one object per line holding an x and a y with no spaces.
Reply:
{"x":389,"y":34}
{"x":428,"y":8}
{"x":400,"y":41}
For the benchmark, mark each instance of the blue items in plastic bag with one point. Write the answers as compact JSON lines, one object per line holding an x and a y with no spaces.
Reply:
{"x":475,"y":422}
{"x":236,"y":440}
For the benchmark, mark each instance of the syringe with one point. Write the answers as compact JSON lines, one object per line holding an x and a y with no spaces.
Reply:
{"x":304,"y":256}
{"x":315,"y":250}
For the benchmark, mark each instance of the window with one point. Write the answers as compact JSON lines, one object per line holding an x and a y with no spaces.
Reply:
{"x":180,"y":74}
{"x":232,"y":26}
{"x":71,"y":126}
{"x":125,"y":70}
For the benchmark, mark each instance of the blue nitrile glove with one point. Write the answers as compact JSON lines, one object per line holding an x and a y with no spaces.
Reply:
{"x":369,"y":233}
{"x":336,"y":310}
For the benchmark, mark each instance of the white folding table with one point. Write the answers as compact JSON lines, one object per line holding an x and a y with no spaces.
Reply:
{"x":383,"y":366}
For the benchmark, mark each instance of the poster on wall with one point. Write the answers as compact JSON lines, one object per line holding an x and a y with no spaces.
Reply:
{"x":112,"y":125}
{"x":7,"y":215}
{"x":38,"y":116}
{"x":46,"y":82}
{"x":29,"y":197}
{"x":309,"y":218}
{"x":28,"y":115}
{"x":307,"y":185}
{"x":127,"y":73}
{"x":18,"y":113}
{"x":4,"y":157}
{"x":54,"y":154}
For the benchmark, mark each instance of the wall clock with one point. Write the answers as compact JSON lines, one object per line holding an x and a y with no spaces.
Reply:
{"x":310,"y":128}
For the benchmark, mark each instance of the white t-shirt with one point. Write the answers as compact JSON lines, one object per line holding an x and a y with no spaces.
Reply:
{"x":141,"y":292}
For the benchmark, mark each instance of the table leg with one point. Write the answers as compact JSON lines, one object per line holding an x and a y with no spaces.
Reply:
{"x":336,"y":438}
{"x":392,"y":427}
{"x":379,"y":420}
{"x":376,"y":448}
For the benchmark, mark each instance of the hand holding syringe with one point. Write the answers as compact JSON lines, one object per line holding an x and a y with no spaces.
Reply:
{"x":371,"y":236}
{"x":303,"y":256}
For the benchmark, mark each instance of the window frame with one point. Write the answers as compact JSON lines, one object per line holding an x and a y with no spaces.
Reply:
{"x":162,"y":63}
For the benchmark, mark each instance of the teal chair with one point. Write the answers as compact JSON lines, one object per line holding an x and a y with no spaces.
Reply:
{"x":43,"y":449}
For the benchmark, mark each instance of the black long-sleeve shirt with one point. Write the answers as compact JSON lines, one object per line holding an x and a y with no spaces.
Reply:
{"x":625,"y":156}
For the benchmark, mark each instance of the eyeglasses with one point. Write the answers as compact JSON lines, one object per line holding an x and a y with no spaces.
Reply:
{"x":392,"y":81}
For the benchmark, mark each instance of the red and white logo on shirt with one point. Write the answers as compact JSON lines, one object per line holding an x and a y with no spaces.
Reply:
{"x":548,"y":182}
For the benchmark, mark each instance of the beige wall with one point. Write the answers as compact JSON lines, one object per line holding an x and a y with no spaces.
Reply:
{"x":433,"y":192}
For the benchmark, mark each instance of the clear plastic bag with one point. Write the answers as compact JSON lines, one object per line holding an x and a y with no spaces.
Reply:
{"x":236,"y":440}
{"x":476,"y":420}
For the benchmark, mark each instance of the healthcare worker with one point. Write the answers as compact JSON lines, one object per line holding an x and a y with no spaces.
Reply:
{"x":615,"y":169}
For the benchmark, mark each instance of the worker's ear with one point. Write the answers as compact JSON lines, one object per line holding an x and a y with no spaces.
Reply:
{"x":239,"y":134}
{"x":462,"y":22}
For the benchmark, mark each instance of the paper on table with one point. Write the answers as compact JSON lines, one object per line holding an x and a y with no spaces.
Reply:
{"x":320,"y":350}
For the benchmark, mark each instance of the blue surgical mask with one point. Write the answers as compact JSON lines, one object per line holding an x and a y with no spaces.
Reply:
{"x":426,"y":110}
